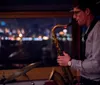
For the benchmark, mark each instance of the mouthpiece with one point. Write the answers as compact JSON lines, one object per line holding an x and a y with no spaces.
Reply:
{"x":65,"y":26}
{"x":69,"y":24}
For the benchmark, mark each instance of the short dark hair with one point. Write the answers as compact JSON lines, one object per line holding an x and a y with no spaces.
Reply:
{"x":83,"y":4}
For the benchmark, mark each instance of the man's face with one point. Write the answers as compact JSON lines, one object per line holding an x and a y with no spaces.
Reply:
{"x":80,"y":16}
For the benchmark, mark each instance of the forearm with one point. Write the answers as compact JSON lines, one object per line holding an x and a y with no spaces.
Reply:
{"x":89,"y":66}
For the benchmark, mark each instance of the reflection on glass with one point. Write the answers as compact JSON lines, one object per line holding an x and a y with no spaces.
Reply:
{"x":23,"y":41}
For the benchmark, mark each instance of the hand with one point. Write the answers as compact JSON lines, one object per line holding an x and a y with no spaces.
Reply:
{"x":63,"y":60}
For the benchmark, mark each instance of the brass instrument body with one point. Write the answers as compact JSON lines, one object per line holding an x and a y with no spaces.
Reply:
{"x":68,"y":76}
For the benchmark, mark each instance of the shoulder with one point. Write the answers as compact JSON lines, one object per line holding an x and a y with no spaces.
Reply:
{"x":98,"y":23}
{"x":97,"y":26}
{"x":96,"y":29}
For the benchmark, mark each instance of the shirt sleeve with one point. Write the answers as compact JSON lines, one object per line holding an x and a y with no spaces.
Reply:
{"x":88,"y":66}
{"x":92,"y":64}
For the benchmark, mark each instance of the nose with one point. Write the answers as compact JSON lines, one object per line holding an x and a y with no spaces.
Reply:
{"x":74,"y":16}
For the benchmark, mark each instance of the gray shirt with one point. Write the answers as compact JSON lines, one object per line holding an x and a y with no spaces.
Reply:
{"x":90,"y":67}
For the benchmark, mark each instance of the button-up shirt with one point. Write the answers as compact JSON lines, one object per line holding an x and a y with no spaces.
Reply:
{"x":90,"y":67}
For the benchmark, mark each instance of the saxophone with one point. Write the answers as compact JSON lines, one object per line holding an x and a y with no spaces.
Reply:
{"x":67,"y":78}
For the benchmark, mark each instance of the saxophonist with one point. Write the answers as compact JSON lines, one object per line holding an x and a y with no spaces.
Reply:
{"x":89,"y":68}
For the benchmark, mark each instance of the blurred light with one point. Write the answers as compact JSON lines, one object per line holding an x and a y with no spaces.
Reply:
{"x":6,"y":30}
{"x":2,"y":38}
{"x":12,"y":38}
{"x":6,"y":38}
{"x":20,"y":35}
{"x":57,"y":34}
{"x":1,"y":31}
{"x":37,"y":39}
{"x":3,"y":23}
{"x":40,"y":36}
{"x":22,"y":31}
{"x":26,"y":39}
{"x":18,"y":38}
{"x":18,"y":31}
{"x":69,"y":39}
{"x":65,"y":30}
{"x":45,"y":38}
{"x":59,"y":38}
{"x":61,"y":33}
{"x":64,"y":39}
{"x":10,"y":33}
{"x":14,"y":31}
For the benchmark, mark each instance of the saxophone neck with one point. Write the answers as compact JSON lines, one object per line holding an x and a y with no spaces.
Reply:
{"x":57,"y":26}
{"x":60,"y":25}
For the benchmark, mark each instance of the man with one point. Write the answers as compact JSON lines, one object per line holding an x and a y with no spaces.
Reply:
{"x":89,"y":68}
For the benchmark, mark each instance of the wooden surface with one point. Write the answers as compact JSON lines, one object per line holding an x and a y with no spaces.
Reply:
{"x":42,"y":73}
{"x":34,"y":14}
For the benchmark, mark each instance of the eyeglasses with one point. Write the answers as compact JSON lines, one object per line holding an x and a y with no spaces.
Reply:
{"x":76,"y":12}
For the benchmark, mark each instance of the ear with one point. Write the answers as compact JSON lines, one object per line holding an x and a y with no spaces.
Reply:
{"x":87,"y":11}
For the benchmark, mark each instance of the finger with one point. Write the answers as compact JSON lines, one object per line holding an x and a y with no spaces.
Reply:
{"x":60,"y":63}
{"x":59,"y":58}
{"x":64,"y":53}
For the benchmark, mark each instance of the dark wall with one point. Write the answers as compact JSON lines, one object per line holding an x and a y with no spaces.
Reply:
{"x":35,"y":5}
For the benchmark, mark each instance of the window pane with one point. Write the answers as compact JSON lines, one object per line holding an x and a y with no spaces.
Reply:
{"x":28,"y":40}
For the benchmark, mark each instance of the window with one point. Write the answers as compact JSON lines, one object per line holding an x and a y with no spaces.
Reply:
{"x":28,"y":40}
